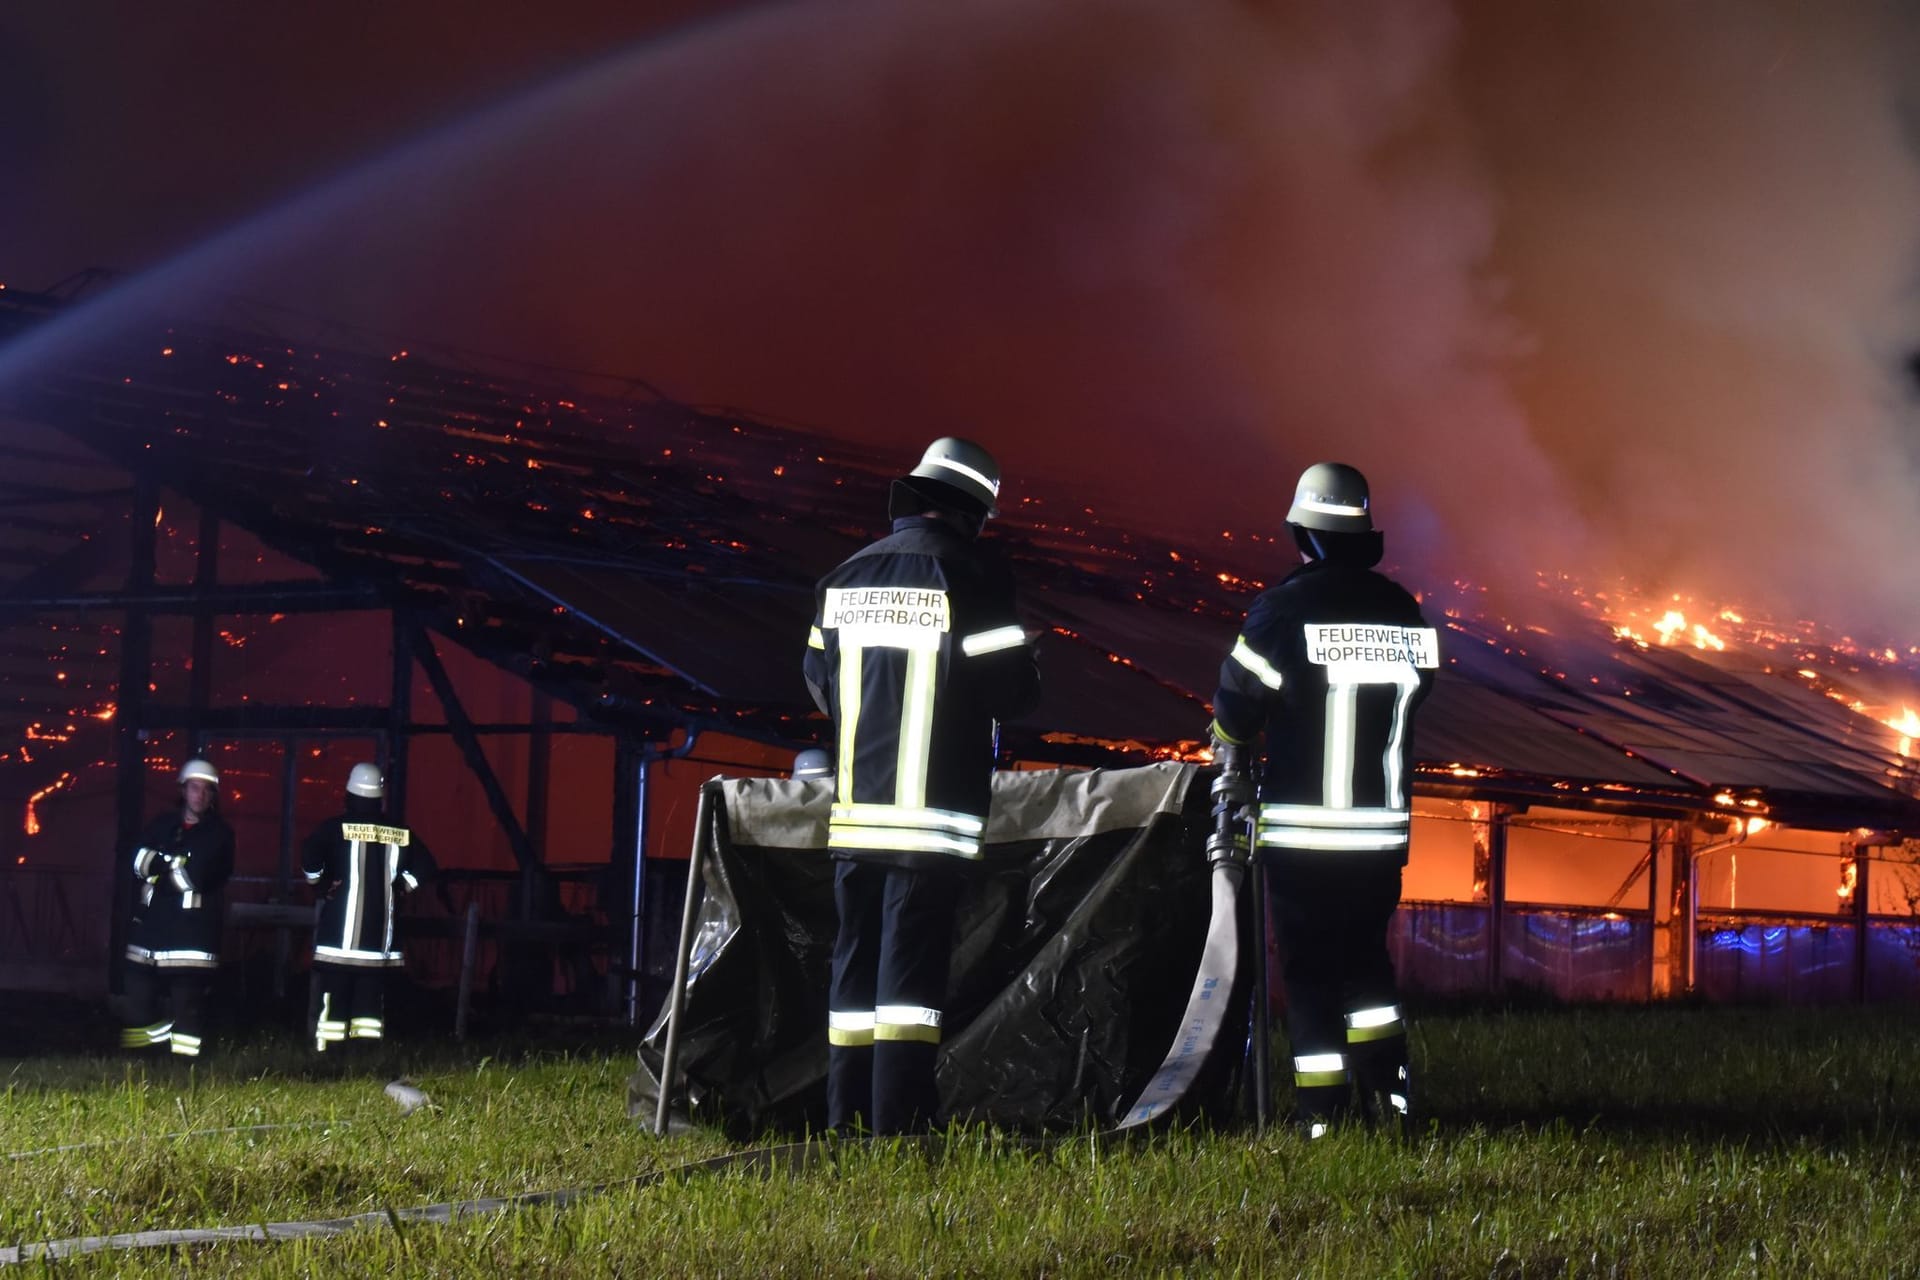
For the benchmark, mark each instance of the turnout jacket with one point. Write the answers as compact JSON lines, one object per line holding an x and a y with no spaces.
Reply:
{"x":1332,"y":663}
{"x":179,"y":871}
{"x":360,"y":862}
{"x":914,"y":653}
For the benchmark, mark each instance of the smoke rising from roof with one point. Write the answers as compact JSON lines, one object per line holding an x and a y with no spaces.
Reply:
{"x":1710,"y":223}
{"x":1624,"y":287}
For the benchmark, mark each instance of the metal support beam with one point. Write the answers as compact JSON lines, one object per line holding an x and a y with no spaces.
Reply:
{"x":1497,"y":897}
{"x":632,"y":762}
{"x":1654,"y":985}
{"x":539,"y":774}
{"x":703,"y":820}
{"x":1685,"y":923}
{"x":265,"y":719}
{"x":206,"y":572}
{"x":399,"y":712}
{"x":1862,"y":919}
{"x":265,"y":597}
{"x":462,"y":728}
{"x":136,"y":639}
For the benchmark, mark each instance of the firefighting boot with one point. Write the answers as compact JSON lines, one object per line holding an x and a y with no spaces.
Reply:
{"x":1322,"y":1093}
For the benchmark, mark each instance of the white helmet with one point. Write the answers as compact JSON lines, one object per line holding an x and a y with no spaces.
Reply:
{"x":365,"y":780}
{"x":812,"y":763}
{"x":1332,"y":497}
{"x":951,"y":472}
{"x":197,"y":769}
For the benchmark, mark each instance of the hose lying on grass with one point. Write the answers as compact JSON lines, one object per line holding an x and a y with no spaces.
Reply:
{"x":185,"y":1133}
{"x":793,"y":1157}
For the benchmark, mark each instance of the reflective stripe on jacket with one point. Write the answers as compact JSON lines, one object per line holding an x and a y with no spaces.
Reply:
{"x":362,"y":862}
{"x":914,"y":653}
{"x":1331,"y":664}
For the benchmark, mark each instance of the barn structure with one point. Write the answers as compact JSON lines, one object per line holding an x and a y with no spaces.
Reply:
{"x":553,"y":604}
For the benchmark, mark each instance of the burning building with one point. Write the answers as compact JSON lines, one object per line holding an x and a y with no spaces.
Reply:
{"x":551,"y":606}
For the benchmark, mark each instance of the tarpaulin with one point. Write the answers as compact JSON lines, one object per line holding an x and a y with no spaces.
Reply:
{"x":1076,"y":944}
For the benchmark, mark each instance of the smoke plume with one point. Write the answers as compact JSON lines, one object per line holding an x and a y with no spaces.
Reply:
{"x":1624,"y":287}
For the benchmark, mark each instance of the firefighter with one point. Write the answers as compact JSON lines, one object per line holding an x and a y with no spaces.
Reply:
{"x":1332,"y":664}
{"x":915,"y":654}
{"x":359,"y":863}
{"x":179,"y":868}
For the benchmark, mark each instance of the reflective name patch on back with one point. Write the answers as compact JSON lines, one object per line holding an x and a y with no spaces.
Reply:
{"x":889,"y":617}
{"x":374,"y":833}
{"x":1371,"y":643}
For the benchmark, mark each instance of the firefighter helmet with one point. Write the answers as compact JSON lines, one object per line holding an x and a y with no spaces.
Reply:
{"x":812,"y":763}
{"x":365,"y":781}
{"x":1332,"y":498}
{"x":954,"y":474}
{"x":198,"y":770}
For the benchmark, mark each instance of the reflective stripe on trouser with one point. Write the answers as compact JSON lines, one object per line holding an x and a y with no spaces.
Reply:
{"x":351,"y":1000}
{"x":1333,"y":830}
{"x":1314,"y":1069}
{"x":891,"y":957}
{"x":327,"y":1029}
{"x":185,"y":1045}
{"x":146,"y":1037}
{"x":166,"y":1003}
{"x":850,"y":1028}
{"x":1332,"y":917}
{"x":905,"y":829}
{"x":1376,"y":1022}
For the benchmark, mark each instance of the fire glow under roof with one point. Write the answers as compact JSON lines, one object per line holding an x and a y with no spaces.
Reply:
{"x":652,"y":564}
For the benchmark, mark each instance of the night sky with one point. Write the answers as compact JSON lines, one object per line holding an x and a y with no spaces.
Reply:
{"x":1581,"y":286}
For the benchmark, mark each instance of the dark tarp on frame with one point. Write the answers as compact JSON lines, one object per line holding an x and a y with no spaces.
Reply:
{"x":1075,"y":949}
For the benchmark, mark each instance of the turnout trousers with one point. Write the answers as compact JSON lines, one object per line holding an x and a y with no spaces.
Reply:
{"x":167,"y":1006}
{"x":1344,"y":1023}
{"x":891,"y":958}
{"x":352,"y":999}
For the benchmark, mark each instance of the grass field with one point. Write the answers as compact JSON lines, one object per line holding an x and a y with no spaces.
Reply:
{"x":1663,"y":1141}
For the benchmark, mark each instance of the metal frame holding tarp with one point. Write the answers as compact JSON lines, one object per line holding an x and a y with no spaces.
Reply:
{"x":1076,"y":946}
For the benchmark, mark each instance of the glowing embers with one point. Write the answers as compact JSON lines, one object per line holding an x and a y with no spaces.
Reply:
{"x":1672,"y":627}
{"x":1191,"y":751}
{"x":32,"y":822}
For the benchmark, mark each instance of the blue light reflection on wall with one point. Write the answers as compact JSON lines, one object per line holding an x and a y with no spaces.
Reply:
{"x":1807,"y":963}
{"x":1577,"y":956}
{"x":1441,"y":948}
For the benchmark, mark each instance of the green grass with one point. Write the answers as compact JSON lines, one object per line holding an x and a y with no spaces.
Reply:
{"x":1665,"y":1141}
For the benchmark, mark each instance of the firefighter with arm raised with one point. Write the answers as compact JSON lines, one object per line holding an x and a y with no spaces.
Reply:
{"x":180,"y":867}
{"x":1330,"y":666}
{"x":914,"y":654}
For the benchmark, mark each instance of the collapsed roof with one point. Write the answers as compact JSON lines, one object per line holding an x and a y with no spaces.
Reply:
{"x":652,"y":563}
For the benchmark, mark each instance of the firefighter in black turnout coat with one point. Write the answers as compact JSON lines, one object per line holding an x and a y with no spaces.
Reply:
{"x":914,"y":654}
{"x":1332,"y":664}
{"x":180,"y":866}
{"x":359,"y":863}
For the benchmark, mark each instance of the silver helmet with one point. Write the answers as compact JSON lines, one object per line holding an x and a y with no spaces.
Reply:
{"x":1332,"y":498}
{"x":365,"y":780}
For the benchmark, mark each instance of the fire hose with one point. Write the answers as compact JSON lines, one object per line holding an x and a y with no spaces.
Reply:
{"x":1229,"y":847}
